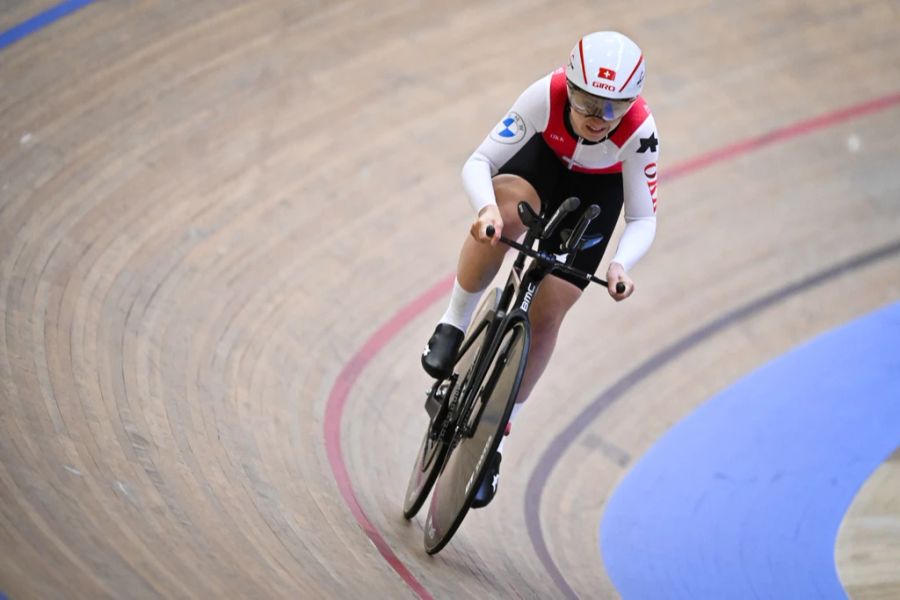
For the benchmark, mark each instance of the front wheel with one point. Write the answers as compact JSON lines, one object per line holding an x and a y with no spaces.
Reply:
{"x":483,"y":422}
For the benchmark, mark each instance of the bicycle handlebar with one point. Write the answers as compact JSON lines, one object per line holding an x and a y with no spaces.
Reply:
{"x":620,"y":286}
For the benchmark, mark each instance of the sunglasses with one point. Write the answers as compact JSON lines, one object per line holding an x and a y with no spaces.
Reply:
{"x":590,"y":105}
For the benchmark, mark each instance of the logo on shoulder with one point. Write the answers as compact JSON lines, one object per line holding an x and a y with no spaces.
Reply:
{"x":510,"y":130}
{"x":648,"y":143}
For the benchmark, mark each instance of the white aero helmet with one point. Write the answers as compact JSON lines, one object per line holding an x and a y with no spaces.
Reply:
{"x":607,"y":64}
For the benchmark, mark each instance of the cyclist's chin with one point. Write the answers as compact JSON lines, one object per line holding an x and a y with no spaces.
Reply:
{"x":594,"y":130}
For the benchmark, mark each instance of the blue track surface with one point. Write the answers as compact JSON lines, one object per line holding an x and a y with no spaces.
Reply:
{"x":744,"y":497}
{"x":54,"y":13}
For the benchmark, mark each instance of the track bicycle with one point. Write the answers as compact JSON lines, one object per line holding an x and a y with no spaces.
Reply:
{"x":469,"y":410}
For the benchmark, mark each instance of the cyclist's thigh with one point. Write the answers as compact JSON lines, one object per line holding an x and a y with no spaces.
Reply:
{"x":537,"y":165}
{"x":509,"y":191}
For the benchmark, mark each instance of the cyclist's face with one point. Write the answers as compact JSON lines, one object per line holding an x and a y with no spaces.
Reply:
{"x":593,"y":129}
{"x":593,"y":117}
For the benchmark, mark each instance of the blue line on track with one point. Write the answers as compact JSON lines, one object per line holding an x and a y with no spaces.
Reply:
{"x":39,"y":21}
{"x":744,"y":497}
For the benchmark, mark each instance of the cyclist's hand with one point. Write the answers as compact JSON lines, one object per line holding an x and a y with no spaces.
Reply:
{"x":489,"y":215}
{"x":616,"y":278}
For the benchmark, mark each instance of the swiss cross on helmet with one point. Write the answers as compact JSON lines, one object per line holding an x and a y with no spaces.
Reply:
{"x":607,"y":64}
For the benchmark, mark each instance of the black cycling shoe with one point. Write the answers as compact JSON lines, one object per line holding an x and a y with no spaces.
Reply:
{"x":488,"y":488}
{"x":441,"y":350}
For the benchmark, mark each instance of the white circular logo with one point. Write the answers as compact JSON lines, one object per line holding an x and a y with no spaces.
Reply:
{"x":510,"y":130}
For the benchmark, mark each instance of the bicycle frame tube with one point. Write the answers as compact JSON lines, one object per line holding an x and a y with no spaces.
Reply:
{"x":515,"y":304}
{"x":529,"y":282}
{"x":469,"y":428}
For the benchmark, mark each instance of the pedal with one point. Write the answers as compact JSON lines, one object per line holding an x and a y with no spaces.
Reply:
{"x":432,"y":404}
{"x":434,"y":398}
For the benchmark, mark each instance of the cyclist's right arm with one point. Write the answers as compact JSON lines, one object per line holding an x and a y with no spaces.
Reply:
{"x":527,"y":117}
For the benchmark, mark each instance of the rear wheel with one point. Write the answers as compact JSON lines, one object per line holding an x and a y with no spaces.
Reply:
{"x":482,"y":424}
{"x":432,"y":452}
{"x":445,"y":396}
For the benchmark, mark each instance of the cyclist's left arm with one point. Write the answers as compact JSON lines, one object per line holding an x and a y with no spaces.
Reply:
{"x":640,"y":160}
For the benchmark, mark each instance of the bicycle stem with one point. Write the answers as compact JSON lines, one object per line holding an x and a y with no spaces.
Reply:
{"x":558,"y":266}
{"x":566,"y":207}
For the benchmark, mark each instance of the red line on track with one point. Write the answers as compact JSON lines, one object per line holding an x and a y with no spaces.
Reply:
{"x":334,"y":410}
{"x":778,"y":135}
{"x":337,"y":398}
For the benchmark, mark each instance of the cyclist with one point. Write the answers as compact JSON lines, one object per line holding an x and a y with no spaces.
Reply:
{"x":583,"y":130}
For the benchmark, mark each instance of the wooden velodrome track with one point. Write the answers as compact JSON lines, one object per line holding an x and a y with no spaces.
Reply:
{"x":227,"y":228}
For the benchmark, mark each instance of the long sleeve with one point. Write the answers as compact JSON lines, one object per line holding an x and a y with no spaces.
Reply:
{"x":526,"y":118}
{"x":640,"y":166}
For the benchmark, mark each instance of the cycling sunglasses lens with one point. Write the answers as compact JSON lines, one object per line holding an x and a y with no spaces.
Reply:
{"x":595,"y":106}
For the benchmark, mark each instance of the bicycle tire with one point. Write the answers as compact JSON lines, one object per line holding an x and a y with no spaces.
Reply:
{"x":466,"y":463}
{"x":431,"y":454}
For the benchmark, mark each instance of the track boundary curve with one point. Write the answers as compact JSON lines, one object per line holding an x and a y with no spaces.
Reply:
{"x":353,"y":368}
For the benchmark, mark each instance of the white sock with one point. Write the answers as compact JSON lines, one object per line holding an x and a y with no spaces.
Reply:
{"x":516,"y":408}
{"x":462,"y":306}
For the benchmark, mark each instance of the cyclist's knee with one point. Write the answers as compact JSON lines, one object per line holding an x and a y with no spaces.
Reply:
{"x":545,"y":326}
{"x":545,"y":323}
{"x":509,"y":191}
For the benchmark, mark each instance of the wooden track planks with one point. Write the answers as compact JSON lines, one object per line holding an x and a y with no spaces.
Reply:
{"x":207,"y":208}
